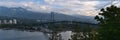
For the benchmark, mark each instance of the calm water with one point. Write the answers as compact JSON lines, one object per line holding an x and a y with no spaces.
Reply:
{"x":24,"y":35}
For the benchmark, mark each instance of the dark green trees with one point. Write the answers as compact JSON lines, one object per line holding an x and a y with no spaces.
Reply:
{"x":109,"y":22}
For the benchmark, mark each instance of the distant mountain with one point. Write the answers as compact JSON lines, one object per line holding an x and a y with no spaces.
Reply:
{"x":24,"y":13}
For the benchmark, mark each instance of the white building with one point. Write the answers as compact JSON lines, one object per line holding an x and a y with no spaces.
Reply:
{"x":4,"y":21}
{"x":10,"y":21}
{"x":13,"y":21}
{"x":0,"y":21}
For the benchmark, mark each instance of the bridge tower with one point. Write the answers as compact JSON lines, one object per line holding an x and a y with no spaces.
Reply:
{"x":52,"y":17}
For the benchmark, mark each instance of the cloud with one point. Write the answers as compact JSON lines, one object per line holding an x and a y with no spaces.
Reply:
{"x":69,"y":7}
{"x":32,"y":6}
{"x":78,"y":7}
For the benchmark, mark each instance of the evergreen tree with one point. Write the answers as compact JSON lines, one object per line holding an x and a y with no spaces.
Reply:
{"x":109,"y":23}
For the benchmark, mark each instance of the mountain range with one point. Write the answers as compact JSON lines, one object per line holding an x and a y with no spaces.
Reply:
{"x":19,"y":12}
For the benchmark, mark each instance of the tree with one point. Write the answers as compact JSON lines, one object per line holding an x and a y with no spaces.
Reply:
{"x":109,"y":22}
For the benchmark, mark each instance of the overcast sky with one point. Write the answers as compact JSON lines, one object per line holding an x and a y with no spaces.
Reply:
{"x":69,"y":7}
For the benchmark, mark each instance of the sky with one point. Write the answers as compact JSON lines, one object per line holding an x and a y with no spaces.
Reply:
{"x":68,"y":7}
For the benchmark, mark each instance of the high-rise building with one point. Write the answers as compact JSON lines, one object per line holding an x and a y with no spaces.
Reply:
{"x":4,"y":21}
{"x":14,"y":21}
{"x":0,"y":22}
{"x":10,"y":21}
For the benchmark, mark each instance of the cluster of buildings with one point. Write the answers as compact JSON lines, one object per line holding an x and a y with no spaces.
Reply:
{"x":11,"y":21}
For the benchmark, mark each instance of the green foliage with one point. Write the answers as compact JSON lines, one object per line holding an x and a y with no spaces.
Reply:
{"x":109,"y":24}
{"x":76,"y":28}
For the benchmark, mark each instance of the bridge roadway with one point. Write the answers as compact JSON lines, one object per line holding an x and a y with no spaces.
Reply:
{"x":67,"y":22}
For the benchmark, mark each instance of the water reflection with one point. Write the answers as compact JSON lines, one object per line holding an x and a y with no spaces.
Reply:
{"x":25,"y":35}
{"x":21,"y":35}
{"x":66,"y":35}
